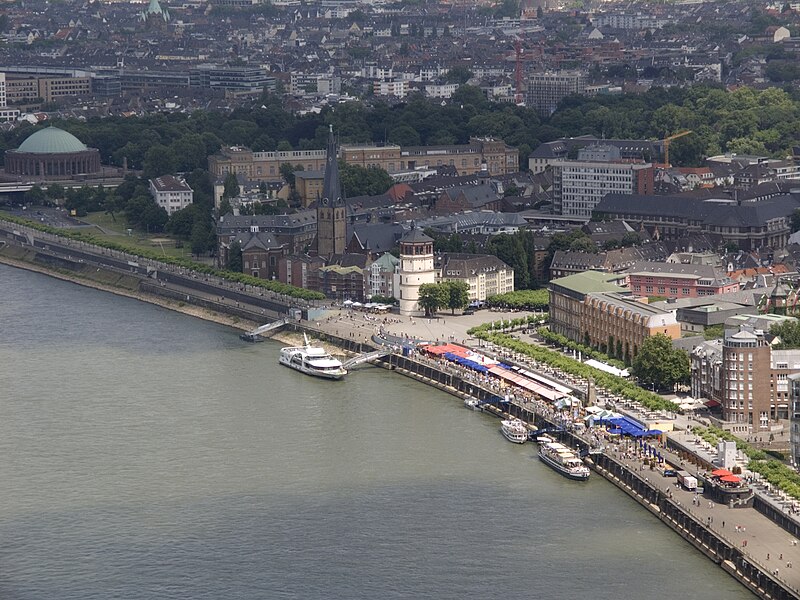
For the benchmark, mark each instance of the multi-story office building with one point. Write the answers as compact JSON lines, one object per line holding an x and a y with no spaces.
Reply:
{"x":6,"y":114}
{"x":566,"y":300}
{"x":579,"y":185}
{"x":619,"y":324}
{"x":546,"y":90}
{"x":391,"y":87}
{"x":242,"y":80}
{"x":636,"y":151}
{"x":750,"y":224}
{"x":49,"y":89}
{"x":384,"y":277}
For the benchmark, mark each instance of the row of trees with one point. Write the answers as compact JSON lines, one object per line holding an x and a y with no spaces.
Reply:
{"x":448,"y":294}
{"x":743,"y":121}
{"x":557,"y":360}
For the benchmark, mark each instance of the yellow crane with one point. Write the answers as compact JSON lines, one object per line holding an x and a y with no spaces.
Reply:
{"x":667,"y":141}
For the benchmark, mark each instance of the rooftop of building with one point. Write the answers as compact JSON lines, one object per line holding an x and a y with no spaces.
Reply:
{"x":589,"y":282}
{"x":52,"y":140}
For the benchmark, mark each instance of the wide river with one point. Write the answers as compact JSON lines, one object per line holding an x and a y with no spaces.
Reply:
{"x":147,"y":454}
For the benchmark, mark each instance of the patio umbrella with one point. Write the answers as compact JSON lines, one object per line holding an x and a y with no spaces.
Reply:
{"x":721,"y":473}
{"x":730,"y":479}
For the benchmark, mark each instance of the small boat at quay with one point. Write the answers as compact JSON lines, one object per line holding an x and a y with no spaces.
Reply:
{"x":473,"y":404}
{"x":514,"y":430}
{"x":560,"y":458}
{"x":312,"y":360}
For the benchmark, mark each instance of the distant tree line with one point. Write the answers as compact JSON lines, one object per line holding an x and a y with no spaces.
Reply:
{"x":743,"y":121}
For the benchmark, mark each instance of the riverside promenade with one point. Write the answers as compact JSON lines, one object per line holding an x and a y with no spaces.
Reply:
{"x":761,"y":545}
{"x":760,"y":541}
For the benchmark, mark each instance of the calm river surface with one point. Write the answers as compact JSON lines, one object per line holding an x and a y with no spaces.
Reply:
{"x":147,"y":454}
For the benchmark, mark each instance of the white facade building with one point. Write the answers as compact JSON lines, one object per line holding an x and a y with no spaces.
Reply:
{"x":170,"y":193}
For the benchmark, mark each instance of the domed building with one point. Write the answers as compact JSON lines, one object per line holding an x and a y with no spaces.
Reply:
{"x":52,"y":153}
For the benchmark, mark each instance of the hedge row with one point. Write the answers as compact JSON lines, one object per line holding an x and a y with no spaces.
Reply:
{"x":616,"y":385}
{"x":272,"y":286}
{"x":557,"y":338}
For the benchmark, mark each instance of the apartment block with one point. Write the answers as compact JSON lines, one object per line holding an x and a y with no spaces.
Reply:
{"x":546,"y":90}
{"x":485,"y":275}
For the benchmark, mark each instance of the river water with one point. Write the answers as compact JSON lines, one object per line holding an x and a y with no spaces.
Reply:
{"x":147,"y":454}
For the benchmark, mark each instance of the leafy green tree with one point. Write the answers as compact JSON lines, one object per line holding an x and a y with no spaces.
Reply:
{"x":287,"y":172}
{"x":432,"y":297}
{"x":583,"y":244}
{"x":510,"y":249}
{"x":181,"y":222}
{"x":35,"y":195}
{"x":225,"y":207}
{"x":203,"y":238}
{"x":360,"y":181}
{"x":55,"y":192}
{"x":457,"y":295}
{"x":158,"y":160}
{"x":234,"y":257}
{"x":659,"y":364}
{"x":231,"y":186}
{"x":789,"y":334}
{"x":458,"y":75}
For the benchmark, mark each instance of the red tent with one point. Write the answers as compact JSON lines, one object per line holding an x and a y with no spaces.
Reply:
{"x":730,"y":479}
{"x":721,"y":473}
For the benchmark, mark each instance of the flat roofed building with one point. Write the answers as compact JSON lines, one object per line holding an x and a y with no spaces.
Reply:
{"x":579,"y":185}
{"x":546,"y":90}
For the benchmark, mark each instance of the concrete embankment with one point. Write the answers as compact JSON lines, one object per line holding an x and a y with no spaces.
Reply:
{"x":107,"y":280}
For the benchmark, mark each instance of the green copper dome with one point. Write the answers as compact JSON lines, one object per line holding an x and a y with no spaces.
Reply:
{"x":52,"y":140}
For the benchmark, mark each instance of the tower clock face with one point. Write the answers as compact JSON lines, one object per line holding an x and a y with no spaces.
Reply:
{"x":324,"y":202}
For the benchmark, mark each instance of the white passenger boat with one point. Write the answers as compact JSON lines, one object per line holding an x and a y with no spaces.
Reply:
{"x":514,"y":430}
{"x":564,"y":460}
{"x":312,"y":360}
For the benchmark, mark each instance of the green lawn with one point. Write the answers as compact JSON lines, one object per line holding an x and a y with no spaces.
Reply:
{"x":109,"y":230}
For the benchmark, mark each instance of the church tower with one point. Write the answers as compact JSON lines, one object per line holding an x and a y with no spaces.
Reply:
{"x":331,"y":209}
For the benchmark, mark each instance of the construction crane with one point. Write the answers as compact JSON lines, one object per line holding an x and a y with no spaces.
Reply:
{"x":667,"y":141}
{"x":518,"y":72}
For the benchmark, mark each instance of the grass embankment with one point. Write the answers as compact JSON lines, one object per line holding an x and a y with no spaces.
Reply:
{"x":115,"y":230}
{"x":616,"y":385}
{"x":774,"y":471}
{"x":120,"y":245}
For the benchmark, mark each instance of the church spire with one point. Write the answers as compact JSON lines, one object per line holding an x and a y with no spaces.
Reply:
{"x":331,"y":188}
